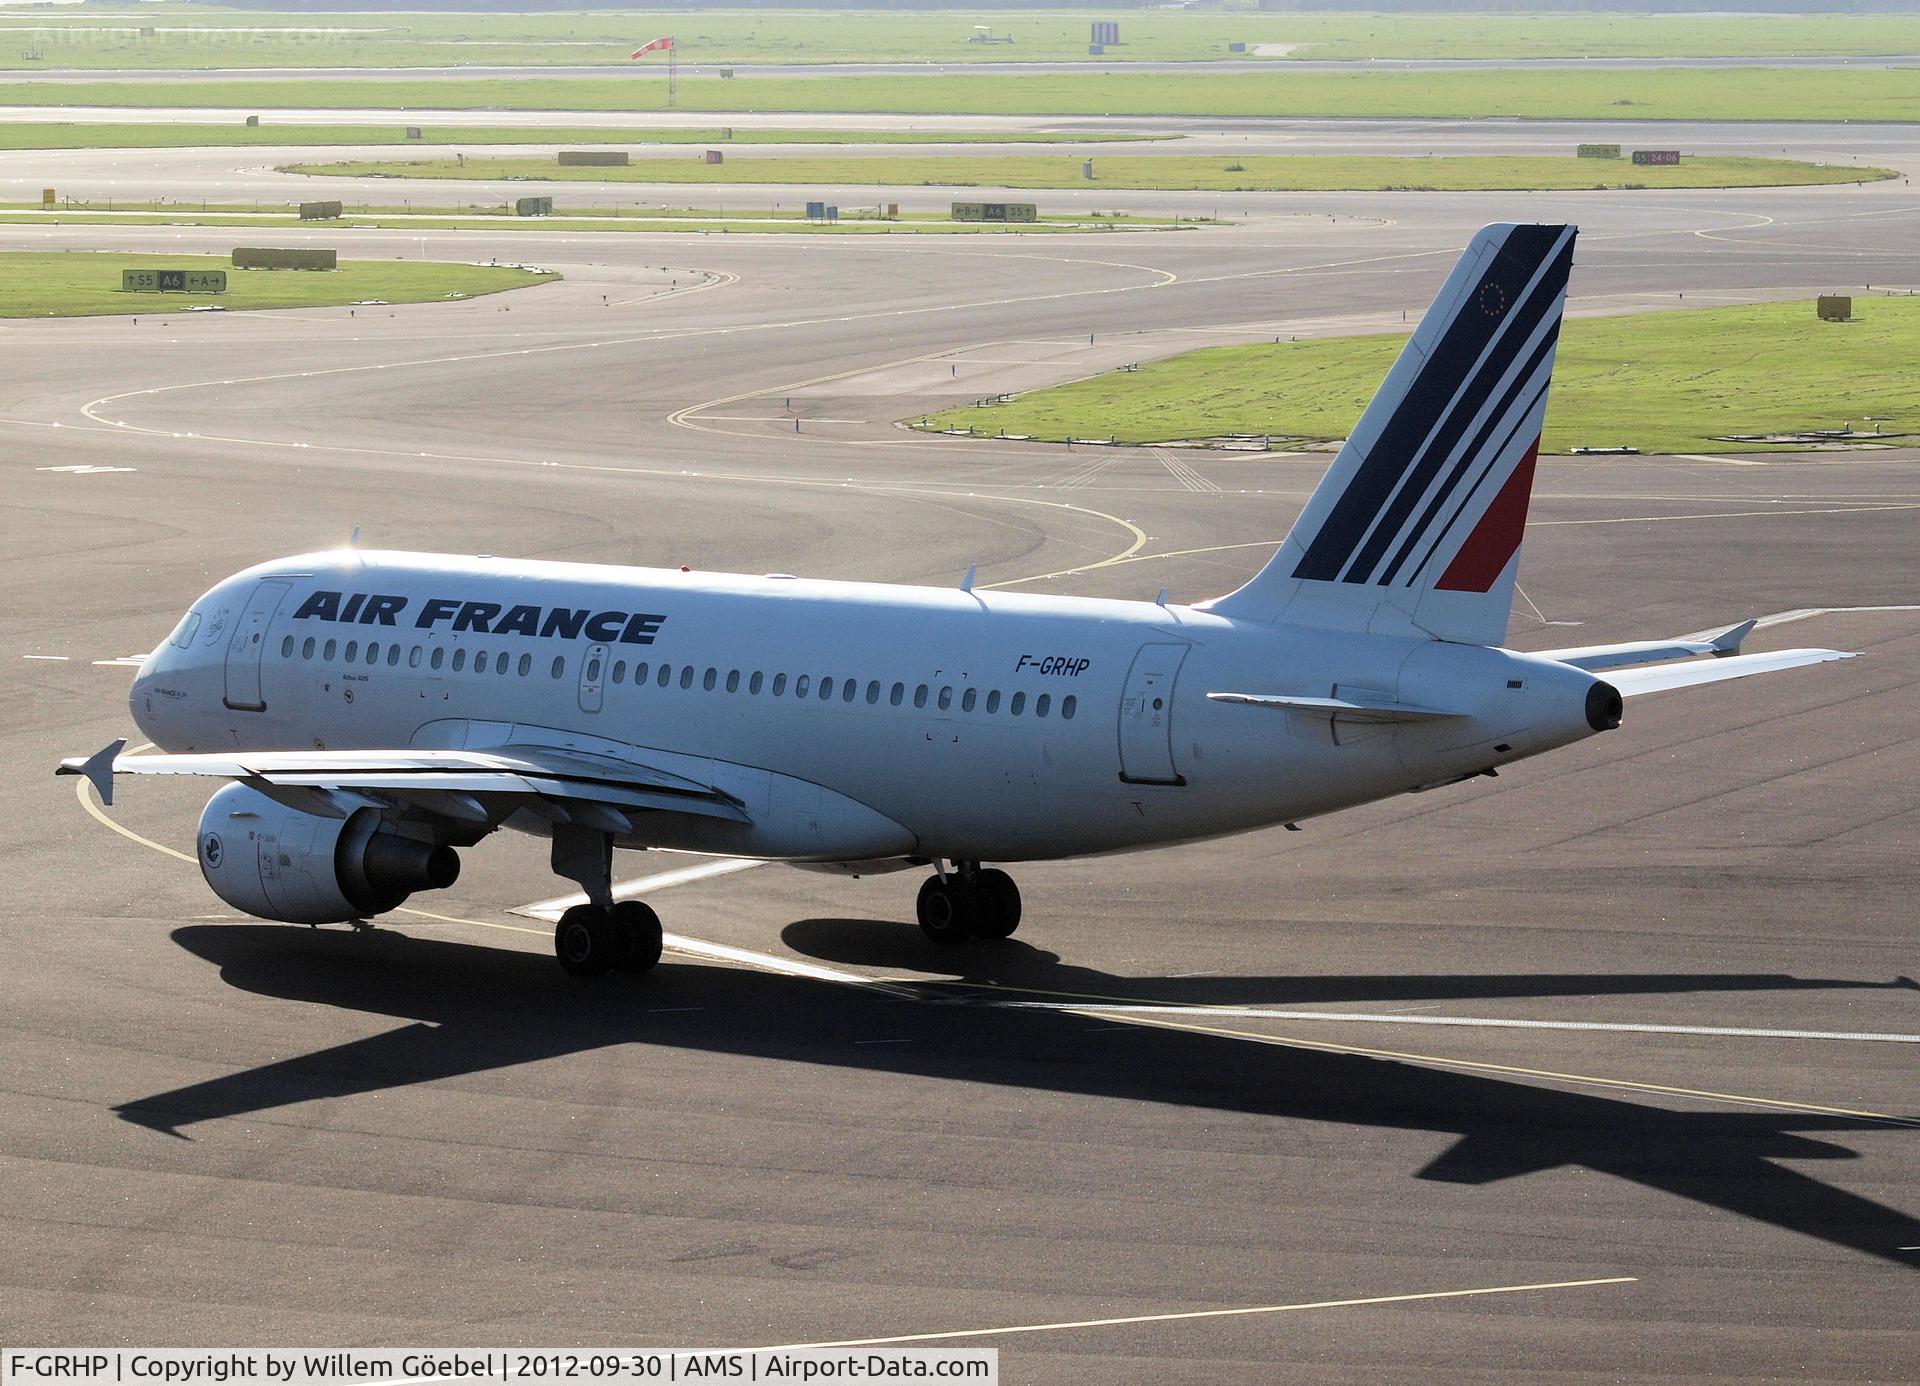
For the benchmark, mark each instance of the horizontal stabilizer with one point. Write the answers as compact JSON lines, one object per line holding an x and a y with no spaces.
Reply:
{"x":1659,"y":678}
{"x":1594,"y":658}
{"x":1352,"y":710}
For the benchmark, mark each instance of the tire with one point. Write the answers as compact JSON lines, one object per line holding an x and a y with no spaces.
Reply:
{"x":1002,"y":914}
{"x":583,"y":941}
{"x":638,"y":930}
{"x":949,"y":909}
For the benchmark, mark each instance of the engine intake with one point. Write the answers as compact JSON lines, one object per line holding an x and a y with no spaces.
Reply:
{"x":279,"y":863}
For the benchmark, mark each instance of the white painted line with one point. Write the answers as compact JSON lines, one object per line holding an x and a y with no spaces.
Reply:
{"x":1727,"y":461}
{"x":84,"y":470}
{"x":51,"y":659}
{"x":767,"y":962}
{"x":1479,"y":1022}
{"x":124,"y":662}
{"x":1208,"y":1314}
{"x":551,"y":910}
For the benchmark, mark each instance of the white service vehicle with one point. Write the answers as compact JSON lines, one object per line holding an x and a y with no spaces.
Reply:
{"x":379,"y":712}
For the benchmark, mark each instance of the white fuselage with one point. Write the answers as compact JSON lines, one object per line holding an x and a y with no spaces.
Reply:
{"x":854,"y":721}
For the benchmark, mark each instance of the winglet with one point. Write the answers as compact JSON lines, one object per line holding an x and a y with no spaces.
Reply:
{"x":98,"y":768}
{"x":1727,"y":642}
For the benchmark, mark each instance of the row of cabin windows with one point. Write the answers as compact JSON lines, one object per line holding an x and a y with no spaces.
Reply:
{"x":662,"y":676}
{"x":826,"y":689}
{"x":353,"y":653}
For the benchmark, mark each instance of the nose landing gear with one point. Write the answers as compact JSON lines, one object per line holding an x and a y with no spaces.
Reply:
{"x":969,"y":903}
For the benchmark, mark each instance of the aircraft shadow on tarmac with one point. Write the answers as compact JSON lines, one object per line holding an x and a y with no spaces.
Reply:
{"x":1017,"y":965}
{"x":476,"y":1009}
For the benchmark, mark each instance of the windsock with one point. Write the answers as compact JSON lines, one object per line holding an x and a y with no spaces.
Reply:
{"x":650,"y":47}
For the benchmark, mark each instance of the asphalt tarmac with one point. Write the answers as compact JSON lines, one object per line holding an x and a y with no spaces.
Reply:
{"x":1614,"y":1054}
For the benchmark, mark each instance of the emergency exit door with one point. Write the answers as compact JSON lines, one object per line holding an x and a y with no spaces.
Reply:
{"x":1146,"y":716}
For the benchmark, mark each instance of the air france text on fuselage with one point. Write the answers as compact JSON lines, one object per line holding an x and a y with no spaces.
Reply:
{"x":484,"y":618}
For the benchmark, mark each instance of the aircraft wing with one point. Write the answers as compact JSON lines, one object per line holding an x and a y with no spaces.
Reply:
{"x":1659,"y":678}
{"x":438,"y":781}
{"x":1594,"y":658}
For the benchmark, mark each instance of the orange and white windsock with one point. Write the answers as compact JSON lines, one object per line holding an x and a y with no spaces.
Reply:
{"x":652,"y":46}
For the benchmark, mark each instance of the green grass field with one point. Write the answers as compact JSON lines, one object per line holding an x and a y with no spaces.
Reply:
{"x":87,"y":283}
{"x":188,"y":38}
{"x":1284,"y":173}
{"x":60,"y":135}
{"x":1661,"y":382}
{"x":1649,"y":94}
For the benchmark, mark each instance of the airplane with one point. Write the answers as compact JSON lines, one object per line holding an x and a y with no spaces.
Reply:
{"x":380,"y":712}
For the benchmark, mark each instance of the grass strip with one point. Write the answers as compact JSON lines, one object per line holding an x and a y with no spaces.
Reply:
{"x":1250,"y":173}
{"x":1743,"y":93}
{"x":1662,"y":382}
{"x":69,"y":284}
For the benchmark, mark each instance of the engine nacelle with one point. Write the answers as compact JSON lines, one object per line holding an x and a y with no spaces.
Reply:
{"x":279,"y":863}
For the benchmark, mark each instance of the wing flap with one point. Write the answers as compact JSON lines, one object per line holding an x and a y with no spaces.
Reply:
{"x":1659,"y":678}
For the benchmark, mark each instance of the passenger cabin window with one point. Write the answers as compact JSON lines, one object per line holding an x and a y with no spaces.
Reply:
{"x":306,"y":650}
{"x":665,"y":676}
{"x":286,"y":648}
{"x":946,"y":699}
{"x":393,"y":655}
{"x":352,"y":651}
{"x":479,"y":661}
{"x":1068,"y":705}
{"x":593,"y":670}
{"x":753,"y":684}
{"x":413,"y":657}
{"x":526,"y":666}
{"x":686,"y":677}
{"x":1041,"y":704}
{"x":1018,"y":705}
{"x":712,"y":677}
{"x":459,"y":660}
{"x":920,"y":696}
{"x":560,"y":667}
{"x":438,"y":657}
{"x":967,"y":699}
{"x":899,"y":692}
{"x":801,"y":684}
{"x":873,"y":692}
{"x":779,"y":684}
{"x":327,"y":653}
{"x":373,"y":652}
{"x":733,"y":680}
{"x":826,"y":689}
{"x":993,"y":702}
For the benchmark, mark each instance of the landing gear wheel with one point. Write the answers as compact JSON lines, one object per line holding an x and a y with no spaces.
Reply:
{"x":1002,"y":914}
{"x":585,"y":941}
{"x":637,"y":928}
{"x":949,"y":910}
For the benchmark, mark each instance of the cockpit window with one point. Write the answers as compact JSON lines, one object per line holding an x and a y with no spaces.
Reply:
{"x":184,"y":632}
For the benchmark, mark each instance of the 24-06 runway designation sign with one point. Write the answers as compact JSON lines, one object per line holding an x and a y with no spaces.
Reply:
{"x":472,"y":1366}
{"x":173,"y":281}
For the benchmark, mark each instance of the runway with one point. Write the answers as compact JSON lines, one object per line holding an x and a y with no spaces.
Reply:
{"x":1580,"y":1071}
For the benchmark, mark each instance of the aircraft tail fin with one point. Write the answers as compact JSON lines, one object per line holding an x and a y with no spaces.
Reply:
{"x":1416,"y":527}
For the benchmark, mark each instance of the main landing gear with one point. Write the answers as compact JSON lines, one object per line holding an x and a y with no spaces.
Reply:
{"x":969,"y":902}
{"x":601,"y":935}
{"x":590,"y":940}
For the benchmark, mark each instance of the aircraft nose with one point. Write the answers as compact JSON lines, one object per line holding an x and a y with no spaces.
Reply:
{"x":140,"y":700}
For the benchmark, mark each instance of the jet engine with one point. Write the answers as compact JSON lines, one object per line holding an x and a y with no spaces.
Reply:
{"x":280,"y":863}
